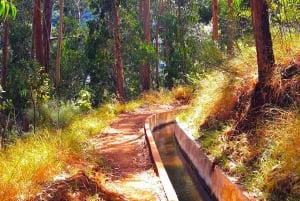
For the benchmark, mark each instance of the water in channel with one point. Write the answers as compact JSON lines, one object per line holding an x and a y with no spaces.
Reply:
{"x":187,"y":187}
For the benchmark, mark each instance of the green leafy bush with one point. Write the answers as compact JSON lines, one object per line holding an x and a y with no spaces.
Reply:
{"x":84,"y":101}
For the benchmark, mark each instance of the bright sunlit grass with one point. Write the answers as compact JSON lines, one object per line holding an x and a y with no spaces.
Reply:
{"x":39,"y":157}
{"x":286,"y":48}
{"x":27,"y":164}
{"x":207,"y":97}
{"x":268,"y":161}
{"x":279,"y":163}
{"x":162,"y":96}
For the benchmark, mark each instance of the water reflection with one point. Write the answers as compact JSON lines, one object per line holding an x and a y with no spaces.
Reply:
{"x":185,"y":187}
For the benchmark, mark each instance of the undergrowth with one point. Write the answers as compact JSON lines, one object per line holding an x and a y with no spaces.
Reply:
{"x":37,"y":158}
{"x":266,"y":159}
{"x":59,"y":148}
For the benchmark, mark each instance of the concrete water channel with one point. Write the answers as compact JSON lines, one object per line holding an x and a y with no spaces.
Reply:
{"x":174,"y":152}
{"x":185,"y":182}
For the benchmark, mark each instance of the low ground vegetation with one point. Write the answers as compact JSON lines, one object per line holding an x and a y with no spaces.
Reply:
{"x":265,"y":156}
{"x":57,"y":151}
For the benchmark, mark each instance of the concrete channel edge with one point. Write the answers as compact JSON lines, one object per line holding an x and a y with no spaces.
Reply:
{"x":220,"y":185}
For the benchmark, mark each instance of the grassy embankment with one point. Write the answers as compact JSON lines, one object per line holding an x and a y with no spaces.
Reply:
{"x":266,"y":159}
{"x":38,"y":158}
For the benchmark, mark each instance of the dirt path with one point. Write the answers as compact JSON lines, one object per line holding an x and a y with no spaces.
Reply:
{"x":126,"y":168}
{"x":124,"y":150}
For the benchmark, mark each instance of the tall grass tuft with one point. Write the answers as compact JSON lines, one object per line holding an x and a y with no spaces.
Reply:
{"x":37,"y":158}
{"x":162,"y":96}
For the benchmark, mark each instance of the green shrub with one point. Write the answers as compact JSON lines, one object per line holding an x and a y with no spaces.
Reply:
{"x":84,"y":100}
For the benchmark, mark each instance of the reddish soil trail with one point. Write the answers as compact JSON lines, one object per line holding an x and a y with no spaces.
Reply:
{"x":124,"y":149}
{"x":126,"y":170}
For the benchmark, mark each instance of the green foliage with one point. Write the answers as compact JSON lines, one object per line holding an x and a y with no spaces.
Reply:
{"x":40,"y":87}
{"x":7,"y":8}
{"x":74,"y":69}
{"x":205,"y":11}
{"x":84,"y":101}
{"x":26,"y":83}
{"x":54,"y":113}
{"x":285,"y":13}
{"x":19,"y":40}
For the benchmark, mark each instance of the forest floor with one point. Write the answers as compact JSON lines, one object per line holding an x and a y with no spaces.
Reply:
{"x":123,"y":162}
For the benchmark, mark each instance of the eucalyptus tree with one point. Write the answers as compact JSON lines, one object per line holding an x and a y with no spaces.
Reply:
{"x":264,"y":49}
{"x":47,"y":16}
{"x":59,"y":43}
{"x":118,"y":56}
{"x":145,"y":70}
{"x":37,"y":39}
{"x":215,"y":25}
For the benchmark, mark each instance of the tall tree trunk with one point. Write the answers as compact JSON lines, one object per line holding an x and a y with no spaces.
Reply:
{"x":215,"y":20}
{"x":144,"y":70}
{"x":141,"y":10}
{"x":114,"y":53}
{"x":37,"y":32}
{"x":47,"y":32}
{"x":4,"y":54}
{"x":166,"y":45}
{"x":265,"y":61}
{"x":4,"y":117}
{"x":157,"y":27}
{"x":181,"y":36}
{"x":263,"y":40}
{"x":59,"y":42}
{"x":32,"y":50}
{"x":119,"y":66}
{"x":230,"y":29}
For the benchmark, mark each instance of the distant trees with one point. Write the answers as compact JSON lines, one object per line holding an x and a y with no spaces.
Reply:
{"x":145,"y":70}
{"x":112,"y":54}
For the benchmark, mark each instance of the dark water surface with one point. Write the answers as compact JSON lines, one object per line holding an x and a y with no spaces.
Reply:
{"x":187,"y":187}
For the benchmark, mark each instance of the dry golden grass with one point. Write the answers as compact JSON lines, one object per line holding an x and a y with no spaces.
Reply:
{"x":267,"y":161}
{"x":38,"y":158}
{"x":279,"y":162}
{"x":162,"y":96}
{"x":183,"y":93}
